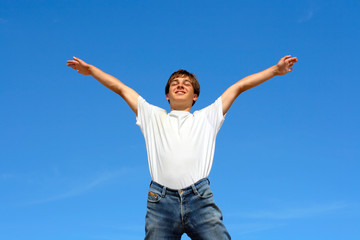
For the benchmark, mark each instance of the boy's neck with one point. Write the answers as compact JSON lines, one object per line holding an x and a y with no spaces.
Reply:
{"x":181,"y":109}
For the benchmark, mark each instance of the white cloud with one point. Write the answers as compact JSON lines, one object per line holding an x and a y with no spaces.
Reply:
{"x":100,"y":180}
{"x":246,"y":228}
{"x":264,"y":220}
{"x":6,"y":176}
{"x":128,"y":236}
{"x":308,"y":14}
{"x":295,"y":213}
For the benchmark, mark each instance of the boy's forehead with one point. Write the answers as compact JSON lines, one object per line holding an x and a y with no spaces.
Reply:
{"x":181,"y":78}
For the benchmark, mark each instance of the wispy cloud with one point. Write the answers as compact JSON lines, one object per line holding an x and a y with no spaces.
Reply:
{"x":263,"y":220}
{"x":127,"y":236}
{"x":76,"y":191}
{"x":294,"y":213}
{"x":246,"y":228}
{"x":128,"y":230}
{"x":308,"y":14}
{"x":6,"y":176}
{"x":128,"y":227}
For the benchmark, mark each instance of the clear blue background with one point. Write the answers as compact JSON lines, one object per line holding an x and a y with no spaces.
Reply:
{"x":73,"y":163}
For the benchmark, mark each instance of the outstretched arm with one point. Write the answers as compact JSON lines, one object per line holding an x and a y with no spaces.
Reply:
{"x":284,"y":66}
{"x":128,"y":94}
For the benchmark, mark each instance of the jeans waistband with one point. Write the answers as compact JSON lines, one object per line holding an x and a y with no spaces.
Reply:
{"x":192,"y":188}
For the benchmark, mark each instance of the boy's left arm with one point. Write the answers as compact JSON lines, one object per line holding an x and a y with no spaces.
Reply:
{"x":281,"y":68}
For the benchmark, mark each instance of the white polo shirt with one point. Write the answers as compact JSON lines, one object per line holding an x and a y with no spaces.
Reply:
{"x":180,"y":145}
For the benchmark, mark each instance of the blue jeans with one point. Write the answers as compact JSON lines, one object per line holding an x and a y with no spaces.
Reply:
{"x":171,"y":213}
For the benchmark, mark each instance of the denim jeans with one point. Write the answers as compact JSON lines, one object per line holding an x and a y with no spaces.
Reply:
{"x":171,"y":213}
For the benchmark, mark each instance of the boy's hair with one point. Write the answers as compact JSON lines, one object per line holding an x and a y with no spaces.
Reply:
{"x":184,"y":73}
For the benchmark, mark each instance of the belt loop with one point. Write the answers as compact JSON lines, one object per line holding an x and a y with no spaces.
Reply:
{"x":208,"y":180}
{"x":151,"y":183}
{"x":163,"y":192}
{"x":194,"y":189}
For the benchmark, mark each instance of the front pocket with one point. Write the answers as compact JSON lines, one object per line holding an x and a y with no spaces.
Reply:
{"x":153,"y":197}
{"x":205,"y":193}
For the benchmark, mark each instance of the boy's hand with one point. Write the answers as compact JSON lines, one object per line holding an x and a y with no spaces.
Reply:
{"x":285,"y":64}
{"x":79,"y":65}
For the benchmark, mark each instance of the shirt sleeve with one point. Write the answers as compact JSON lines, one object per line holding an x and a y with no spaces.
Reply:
{"x":214,"y":114}
{"x":144,"y":113}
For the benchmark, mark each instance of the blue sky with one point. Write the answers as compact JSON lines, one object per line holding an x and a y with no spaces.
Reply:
{"x":73,"y":163}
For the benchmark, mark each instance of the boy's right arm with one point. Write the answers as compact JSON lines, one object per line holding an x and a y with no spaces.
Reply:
{"x":127,"y":93}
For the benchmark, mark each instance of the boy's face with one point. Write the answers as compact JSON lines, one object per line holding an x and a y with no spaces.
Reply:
{"x":181,"y":92}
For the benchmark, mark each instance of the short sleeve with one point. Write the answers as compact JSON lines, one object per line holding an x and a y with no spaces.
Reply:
{"x":144,"y":113}
{"x":214,"y":114}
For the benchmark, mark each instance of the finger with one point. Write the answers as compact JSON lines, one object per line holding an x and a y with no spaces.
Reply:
{"x":72,"y":65}
{"x":78,"y":59}
{"x":291,"y":61}
{"x":294,"y":59}
{"x":286,"y":57}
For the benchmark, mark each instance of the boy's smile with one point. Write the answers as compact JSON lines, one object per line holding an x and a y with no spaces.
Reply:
{"x":180,"y":92}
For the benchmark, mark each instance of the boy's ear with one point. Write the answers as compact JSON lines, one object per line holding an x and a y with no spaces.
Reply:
{"x":167,"y":97}
{"x":195,"y":97}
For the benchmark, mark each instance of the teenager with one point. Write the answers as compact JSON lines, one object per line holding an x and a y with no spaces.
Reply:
{"x":180,"y":147}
